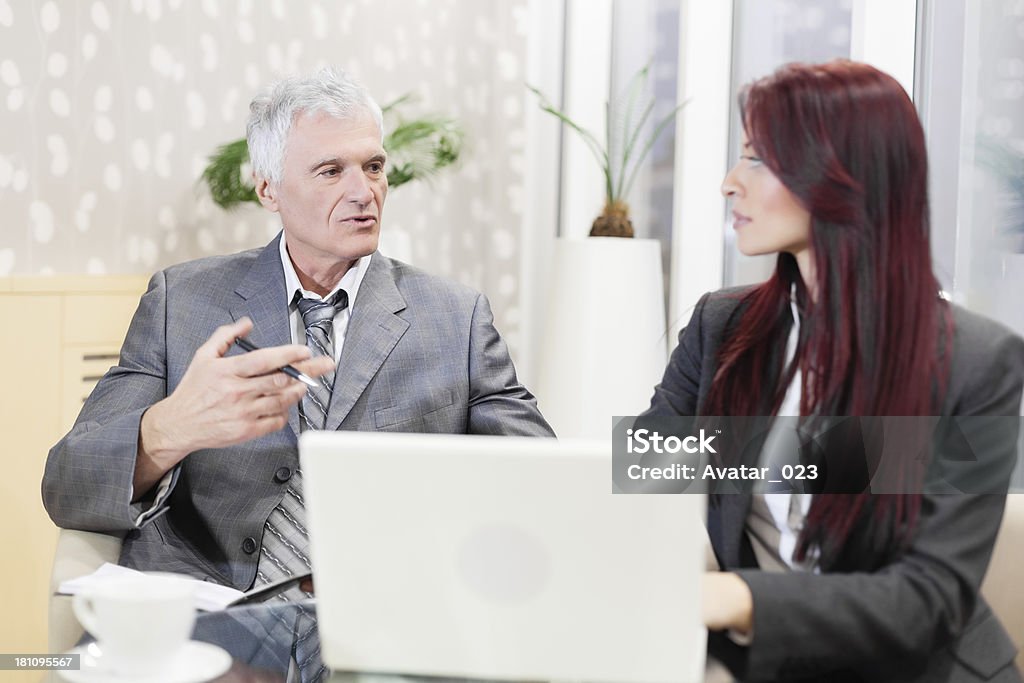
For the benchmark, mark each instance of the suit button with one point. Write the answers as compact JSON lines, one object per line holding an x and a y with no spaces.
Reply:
{"x":283,"y":474}
{"x":249,"y":546}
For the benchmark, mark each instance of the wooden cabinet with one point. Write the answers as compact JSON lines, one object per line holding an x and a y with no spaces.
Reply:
{"x":58,"y":335}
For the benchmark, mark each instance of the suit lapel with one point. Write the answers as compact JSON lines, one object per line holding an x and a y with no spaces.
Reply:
{"x":261,"y":296}
{"x":373,"y":331}
{"x":728,"y":518}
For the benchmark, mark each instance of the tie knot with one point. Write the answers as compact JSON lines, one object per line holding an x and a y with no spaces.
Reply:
{"x":320,"y":312}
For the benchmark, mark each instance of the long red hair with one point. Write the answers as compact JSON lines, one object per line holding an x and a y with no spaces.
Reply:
{"x":845,"y":139}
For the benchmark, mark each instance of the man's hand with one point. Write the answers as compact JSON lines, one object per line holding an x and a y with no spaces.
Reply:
{"x":222,"y":401}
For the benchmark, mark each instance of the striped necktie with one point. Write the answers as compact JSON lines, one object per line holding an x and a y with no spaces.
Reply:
{"x":318,"y":316}
{"x":285,"y":548}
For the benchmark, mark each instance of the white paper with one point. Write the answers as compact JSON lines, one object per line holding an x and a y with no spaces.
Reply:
{"x":210,"y":597}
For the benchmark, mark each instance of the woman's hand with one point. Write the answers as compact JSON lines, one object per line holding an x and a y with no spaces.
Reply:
{"x":727,"y":603}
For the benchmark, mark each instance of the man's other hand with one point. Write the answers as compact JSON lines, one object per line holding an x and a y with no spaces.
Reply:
{"x":222,"y":401}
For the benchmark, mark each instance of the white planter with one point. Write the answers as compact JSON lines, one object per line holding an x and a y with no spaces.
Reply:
{"x":605,"y":345}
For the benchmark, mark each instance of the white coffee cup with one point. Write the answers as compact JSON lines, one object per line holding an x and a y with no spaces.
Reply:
{"x":140,"y":624}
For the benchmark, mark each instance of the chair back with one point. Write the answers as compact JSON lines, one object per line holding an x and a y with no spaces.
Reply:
{"x":1002,"y":585}
{"x":78,"y":553}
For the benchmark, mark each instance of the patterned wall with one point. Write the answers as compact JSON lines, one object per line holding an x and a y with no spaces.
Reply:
{"x":108,"y":109}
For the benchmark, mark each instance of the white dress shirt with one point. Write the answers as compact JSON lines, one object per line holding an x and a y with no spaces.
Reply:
{"x":350,"y":282}
{"x":779,"y":504}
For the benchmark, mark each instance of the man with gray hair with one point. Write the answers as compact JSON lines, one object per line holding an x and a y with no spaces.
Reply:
{"x":188,"y":446}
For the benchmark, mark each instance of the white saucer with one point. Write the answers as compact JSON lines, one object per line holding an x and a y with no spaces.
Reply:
{"x":196,"y":662}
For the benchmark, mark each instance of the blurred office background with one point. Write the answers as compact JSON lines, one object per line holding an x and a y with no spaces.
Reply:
{"x":112,"y":107}
{"x":109,"y":109}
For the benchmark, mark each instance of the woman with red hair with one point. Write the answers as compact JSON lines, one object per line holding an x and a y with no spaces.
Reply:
{"x":854,"y":585}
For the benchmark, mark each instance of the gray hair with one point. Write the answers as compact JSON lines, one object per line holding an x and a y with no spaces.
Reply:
{"x":273,"y":112}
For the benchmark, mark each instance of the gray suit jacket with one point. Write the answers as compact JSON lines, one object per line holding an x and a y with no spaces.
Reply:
{"x":919,"y":617}
{"x":421,"y":355}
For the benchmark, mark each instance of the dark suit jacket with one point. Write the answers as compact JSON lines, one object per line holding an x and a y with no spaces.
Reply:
{"x":421,"y":355}
{"x":919,"y":617}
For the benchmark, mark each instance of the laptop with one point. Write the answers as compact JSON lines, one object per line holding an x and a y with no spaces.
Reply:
{"x":503,"y":558}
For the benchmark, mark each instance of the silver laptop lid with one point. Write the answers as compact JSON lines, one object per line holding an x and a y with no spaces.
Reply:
{"x":498,"y":557}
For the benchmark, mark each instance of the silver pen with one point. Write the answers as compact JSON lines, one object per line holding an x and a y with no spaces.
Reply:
{"x":247,"y":345}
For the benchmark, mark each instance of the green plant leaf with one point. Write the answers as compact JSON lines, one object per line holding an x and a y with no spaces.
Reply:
{"x":397,"y":103}
{"x":588,"y":137}
{"x":620,"y":176}
{"x":627,"y":152}
{"x":598,"y":150}
{"x":224,"y":175}
{"x":650,"y":143}
{"x":636,"y":83}
{"x":419,"y":148}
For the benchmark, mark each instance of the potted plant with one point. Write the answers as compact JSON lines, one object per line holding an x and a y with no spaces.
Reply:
{"x":605,"y":342}
{"x":618,"y":156}
{"x":417,"y":148}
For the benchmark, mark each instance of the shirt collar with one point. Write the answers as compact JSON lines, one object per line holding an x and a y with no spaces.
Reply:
{"x":350,"y":282}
